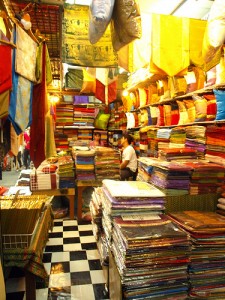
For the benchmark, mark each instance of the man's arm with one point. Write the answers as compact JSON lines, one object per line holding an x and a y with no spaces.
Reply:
{"x":124,"y":164}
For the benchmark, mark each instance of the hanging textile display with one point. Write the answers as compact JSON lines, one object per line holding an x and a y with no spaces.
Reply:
{"x":126,"y":23}
{"x":38,"y":72}
{"x":25,"y":60}
{"x":37,"y":132}
{"x":100,"y":14}
{"x":106,"y":84}
{"x":4,"y":104}
{"x":196,"y":35}
{"x":170,"y":52}
{"x":214,"y":35}
{"x":50,"y":148}
{"x":76,"y":48}
{"x":20,"y":106}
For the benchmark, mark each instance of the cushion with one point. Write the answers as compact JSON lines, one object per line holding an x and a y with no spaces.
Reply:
{"x":183,"y":113}
{"x":220,"y":101}
{"x":190,"y":106}
{"x":211,"y":107}
{"x":101,"y":121}
{"x":174,"y":113}
{"x":200,"y":108}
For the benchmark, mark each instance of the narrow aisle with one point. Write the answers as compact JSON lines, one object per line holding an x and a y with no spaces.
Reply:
{"x":72,"y":260}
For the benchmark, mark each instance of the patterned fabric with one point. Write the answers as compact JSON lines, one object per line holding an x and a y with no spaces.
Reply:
{"x":25,"y":55}
{"x":76,"y":47}
{"x":20,"y":107}
{"x":4,"y":104}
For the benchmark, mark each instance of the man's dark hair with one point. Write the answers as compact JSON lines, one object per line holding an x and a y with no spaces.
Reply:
{"x":128,"y":137}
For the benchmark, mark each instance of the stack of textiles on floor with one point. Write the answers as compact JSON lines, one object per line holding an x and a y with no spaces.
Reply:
{"x":177,"y":154}
{"x":163,"y":138}
{"x":64,"y":114}
{"x":85,"y":135}
{"x":206,"y":177}
{"x":97,"y":228}
{"x":107,"y":163}
{"x":66,"y":172}
{"x":84,"y":116}
{"x":84,"y":162}
{"x":171,"y":175}
{"x":196,"y":139}
{"x":61,"y":140}
{"x":177,"y":137}
{"x":24,"y":178}
{"x":129,"y":197}
{"x":145,"y":168}
{"x":215,"y":143}
{"x":152,"y":256}
{"x":207,"y":261}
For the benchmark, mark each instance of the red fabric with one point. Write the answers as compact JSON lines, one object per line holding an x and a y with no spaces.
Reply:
{"x":100,"y":91}
{"x":37,"y":130}
{"x":112,"y":91}
{"x":5,"y":68}
{"x":160,"y":120}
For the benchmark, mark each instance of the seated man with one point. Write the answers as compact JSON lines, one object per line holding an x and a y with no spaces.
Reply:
{"x":128,"y":166}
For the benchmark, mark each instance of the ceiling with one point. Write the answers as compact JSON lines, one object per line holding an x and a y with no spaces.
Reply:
{"x":46,"y":16}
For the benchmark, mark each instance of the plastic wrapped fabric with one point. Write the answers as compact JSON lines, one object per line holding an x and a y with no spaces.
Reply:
{"x":100,"y":14}
{"x":126,"y":23}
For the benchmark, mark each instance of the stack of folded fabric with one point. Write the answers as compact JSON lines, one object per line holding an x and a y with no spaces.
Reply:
{"x":151,"y":254}
{"x":177,"y":137}
{"x":206,"y":177}
{"x":84,"y":161}
{"x":145,"y":168}
{"x":152,"y":142}
{"x":177,"y":154}
{"x":85,"y":135}
{"x":64,"y":114}
{"x":107,"y":163}
{"x":61,"y":140}
{"x":96,"y":212}
{"x":215,"y":142}
{"x":163,"y":138}
{"x":171,"y":175}
{"x":196,"y":139}
{"x":66,"y":172}
{"x":207,"y":261}
{"x":84,"y":116}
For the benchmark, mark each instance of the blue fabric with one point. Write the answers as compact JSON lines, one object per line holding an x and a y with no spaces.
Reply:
{"x":220,"y":102}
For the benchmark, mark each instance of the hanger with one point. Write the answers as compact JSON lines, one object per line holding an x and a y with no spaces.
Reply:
{"x":40,"y":36}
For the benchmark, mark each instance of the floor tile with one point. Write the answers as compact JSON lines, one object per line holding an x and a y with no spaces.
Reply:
{"x":60,"y":267}
{"x":47,"y":257}
{"x":79,"y":278}
{"x":78,"y":255}
{"x":57,"y":229}
{"x":59,"y":280}
{"x":42,"y":294}
{"x":71,"y":240}
{"x":85,"y":227}
{"x":60,"y":256}
{"x":95,"y":264}
{"x":72,"y":247}
{"x":86,"y":233}
{"x":79,"y":266}
{"x":55,"y":241}
{"x":87,"y":239}
{"x":54,"y":248}
{"x":97,"y":276}
{"x":55,"y":235}
{"x":83,"y":292}
{"x":67,"y":234}
{"x":70,"y":228}
{"x":70,"y":223}
{"x":92,"y":254}
{"x":89,"y":246}
{"x":47,"y":267}
{"x":60,"y":293}
{"x":58,"y":223}
{"x":100,"y":291}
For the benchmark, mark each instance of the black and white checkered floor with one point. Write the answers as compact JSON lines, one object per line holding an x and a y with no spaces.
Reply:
{"x":72,"y":261}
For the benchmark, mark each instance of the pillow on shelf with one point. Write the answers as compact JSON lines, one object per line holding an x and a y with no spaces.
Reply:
{"x":183,"y":113}
{"x":160,"y":119}
{"x":190,"y":106}
{"x":154,"y":111}
{"x":220,"y":102}
{"x":101,"y":121}
{"x":200,"y":108}
{"x":167,"y":114}
{"x":174,"y":113}
{"x":211,"y":107}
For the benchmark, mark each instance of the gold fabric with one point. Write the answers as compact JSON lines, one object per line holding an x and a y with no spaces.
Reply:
{"x":170,"y":52}
{"x":197,"y":30}
{"x":25,"y":55}
{"x":50,"y":148}
{"x":14,"y":139}
{"x":76,"y":47}
{"x":4,"y":104}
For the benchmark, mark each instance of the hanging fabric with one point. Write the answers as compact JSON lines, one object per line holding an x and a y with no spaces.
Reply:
{"x":50,"y":148}
{"x":20,"y":106}
{"x":37,"y":132}
{"x":170,"y":52}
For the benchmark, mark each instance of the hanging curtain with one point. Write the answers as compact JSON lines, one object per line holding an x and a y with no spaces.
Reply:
{"x":37,"y":132}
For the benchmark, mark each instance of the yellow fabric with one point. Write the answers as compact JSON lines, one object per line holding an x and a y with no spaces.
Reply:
{"x":170,"y":52}
{"x":14,"y":141}
{"x":50,"y":148}
{"x":4,"y":104}
{"x":196,"y":35}
{"x":76,"y":47}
